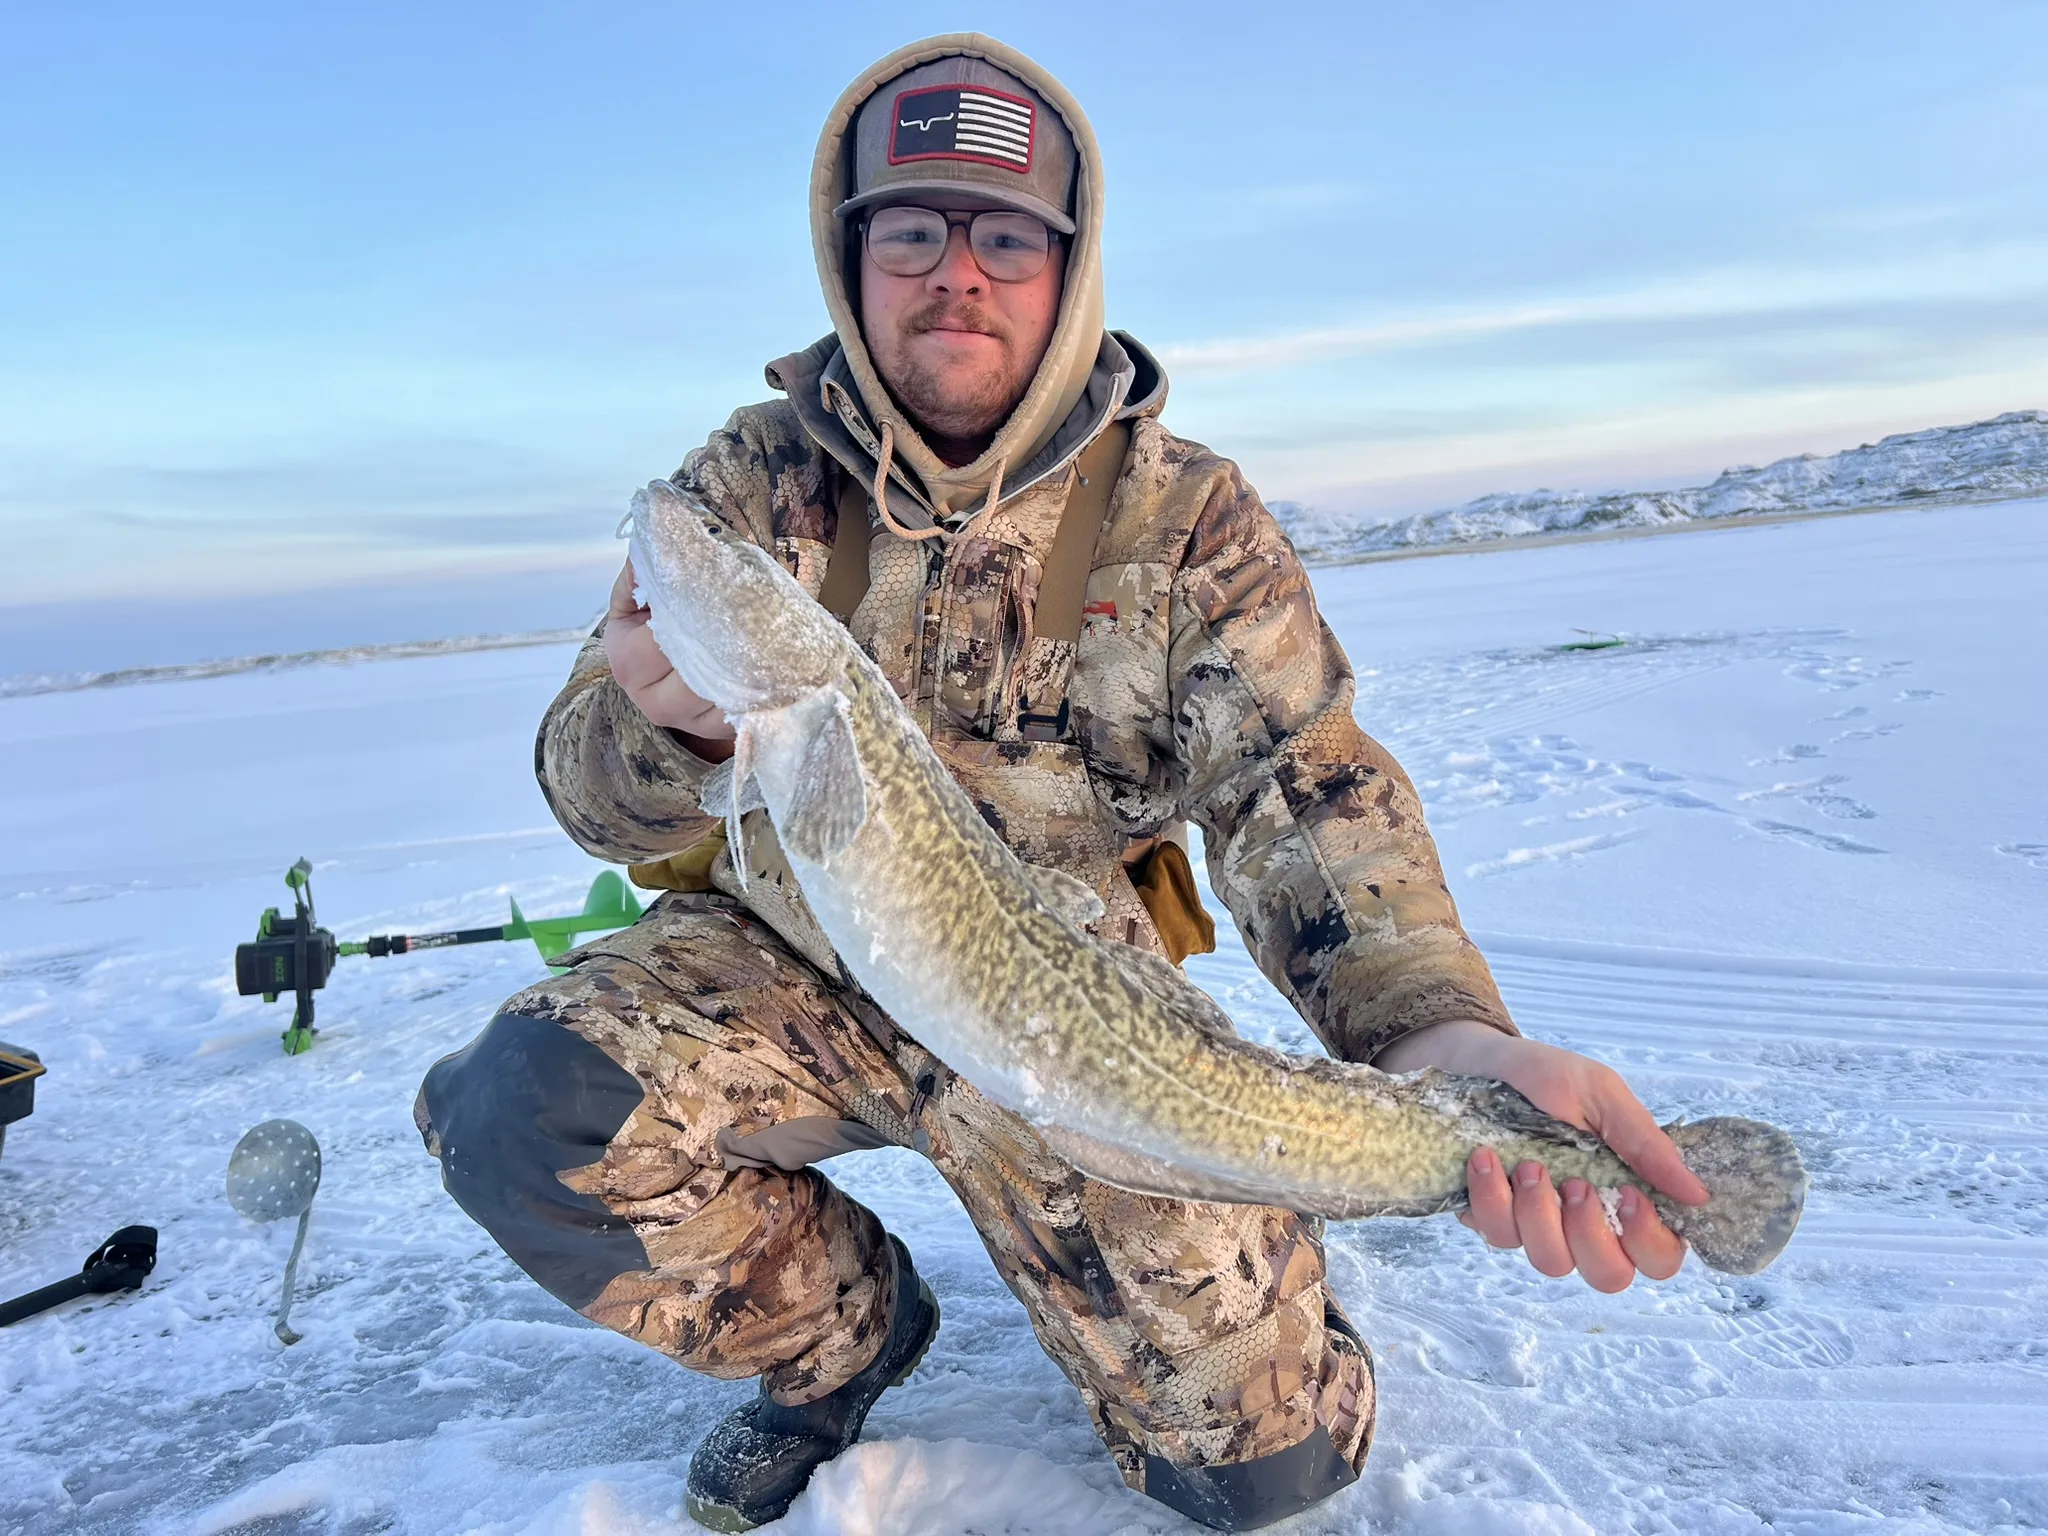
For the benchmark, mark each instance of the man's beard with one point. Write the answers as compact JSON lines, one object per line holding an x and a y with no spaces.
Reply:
{"x":950,"y":404}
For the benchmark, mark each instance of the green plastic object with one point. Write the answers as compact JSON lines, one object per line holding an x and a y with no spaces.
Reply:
{"x":294,"y":954}
{"x":1593,"y":642}
{"x":609,"y":905}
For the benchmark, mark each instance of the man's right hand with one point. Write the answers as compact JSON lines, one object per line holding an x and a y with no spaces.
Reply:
{"x":650,"y":682}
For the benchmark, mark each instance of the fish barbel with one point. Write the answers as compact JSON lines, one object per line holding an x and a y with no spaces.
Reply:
{"x":1126,"y":1068}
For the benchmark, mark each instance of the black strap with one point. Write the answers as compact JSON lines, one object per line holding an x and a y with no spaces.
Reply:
{"x":846,"y":572}
{"x":1062,"y":590}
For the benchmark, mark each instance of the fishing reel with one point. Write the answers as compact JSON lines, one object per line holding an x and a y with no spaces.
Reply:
{"x":296,"y":955}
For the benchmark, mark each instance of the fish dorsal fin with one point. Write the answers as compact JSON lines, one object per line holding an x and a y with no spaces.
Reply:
{"x":1169,"y":985}
{"x":829,"y":799}
{"x":1069,"y":897}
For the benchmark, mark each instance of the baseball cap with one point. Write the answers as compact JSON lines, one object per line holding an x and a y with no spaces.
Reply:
{"x":963,"y":126}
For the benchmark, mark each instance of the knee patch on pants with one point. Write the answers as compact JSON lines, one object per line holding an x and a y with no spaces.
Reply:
{"x":1244,"y":1495}
{"x":519,"y":1104}
{"x":1248,"y":1494}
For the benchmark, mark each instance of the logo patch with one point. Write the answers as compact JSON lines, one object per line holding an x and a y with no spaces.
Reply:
{"x":963,"y":122}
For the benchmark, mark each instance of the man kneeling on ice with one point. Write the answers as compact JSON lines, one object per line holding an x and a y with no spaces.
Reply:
{"x":1104,"y":634}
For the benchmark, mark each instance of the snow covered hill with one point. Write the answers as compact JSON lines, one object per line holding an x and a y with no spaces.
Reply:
{"x":1986,"y":461}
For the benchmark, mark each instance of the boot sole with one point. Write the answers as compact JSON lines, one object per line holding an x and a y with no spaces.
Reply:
{"x":726,"y":1520}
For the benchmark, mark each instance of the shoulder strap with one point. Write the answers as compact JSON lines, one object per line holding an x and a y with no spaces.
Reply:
{"x":846,"y":572}
{"x":1063,"y":589}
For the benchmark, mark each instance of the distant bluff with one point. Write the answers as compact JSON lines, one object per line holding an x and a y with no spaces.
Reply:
{"x":1993,"y":460}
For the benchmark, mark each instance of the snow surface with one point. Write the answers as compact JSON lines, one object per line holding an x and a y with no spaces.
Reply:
{"x":1784,"y":852}
{"x":1985,"y":461}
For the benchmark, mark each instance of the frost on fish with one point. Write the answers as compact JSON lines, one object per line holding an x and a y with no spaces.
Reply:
{"x":1133,"y":1073}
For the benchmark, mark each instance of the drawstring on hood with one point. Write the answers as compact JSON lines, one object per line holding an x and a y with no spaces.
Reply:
{"x":883,"y":463}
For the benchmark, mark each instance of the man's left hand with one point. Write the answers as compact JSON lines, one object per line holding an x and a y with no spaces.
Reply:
{"x":1561,"y":1229}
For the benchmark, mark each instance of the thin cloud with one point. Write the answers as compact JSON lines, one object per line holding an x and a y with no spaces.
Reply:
{"x":2006,"y":270}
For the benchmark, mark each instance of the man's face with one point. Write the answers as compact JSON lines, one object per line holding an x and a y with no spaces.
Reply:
{"x":957,"y":348}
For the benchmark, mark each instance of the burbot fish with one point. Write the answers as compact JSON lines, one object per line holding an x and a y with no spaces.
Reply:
{"x":1125,"y":1066}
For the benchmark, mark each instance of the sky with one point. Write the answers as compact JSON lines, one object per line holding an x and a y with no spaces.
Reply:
{"x":292,"y":296}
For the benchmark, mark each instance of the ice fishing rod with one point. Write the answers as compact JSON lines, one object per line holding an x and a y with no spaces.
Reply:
{"x":295,"y":954}
{"x":121,"y":1263}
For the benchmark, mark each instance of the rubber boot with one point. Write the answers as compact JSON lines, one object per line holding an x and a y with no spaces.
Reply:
{"x":750,"y":1468}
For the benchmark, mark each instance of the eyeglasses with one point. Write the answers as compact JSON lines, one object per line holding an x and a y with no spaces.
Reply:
{"x":909,"y":242}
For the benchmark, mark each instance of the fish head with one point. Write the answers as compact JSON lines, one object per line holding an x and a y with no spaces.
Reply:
{"x":736,"y":626}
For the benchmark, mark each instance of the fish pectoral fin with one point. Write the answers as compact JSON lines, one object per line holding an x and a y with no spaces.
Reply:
{"x":1068,"y":896}
{"x":829,"y":799}
{"x":730,"y":791}
{"x":715,"y":794}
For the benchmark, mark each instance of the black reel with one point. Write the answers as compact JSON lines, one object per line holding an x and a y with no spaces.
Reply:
{"x":291,"y":954}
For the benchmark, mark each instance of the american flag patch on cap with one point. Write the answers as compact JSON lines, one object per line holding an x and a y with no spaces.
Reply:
{"x":962,"y":122}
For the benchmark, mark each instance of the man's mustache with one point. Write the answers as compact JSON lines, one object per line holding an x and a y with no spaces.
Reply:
{"x":955,"y":317}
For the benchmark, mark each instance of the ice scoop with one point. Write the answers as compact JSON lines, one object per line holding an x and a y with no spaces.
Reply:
{"x":272,"y":1174}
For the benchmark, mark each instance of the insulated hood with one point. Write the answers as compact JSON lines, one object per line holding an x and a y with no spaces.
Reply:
{"x":1071,"y":358}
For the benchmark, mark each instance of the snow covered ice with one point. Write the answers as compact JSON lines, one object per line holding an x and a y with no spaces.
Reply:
{"x":1783,"y":853}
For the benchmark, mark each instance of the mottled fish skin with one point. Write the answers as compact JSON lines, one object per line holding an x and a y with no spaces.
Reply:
{"x":1125,"y":1066}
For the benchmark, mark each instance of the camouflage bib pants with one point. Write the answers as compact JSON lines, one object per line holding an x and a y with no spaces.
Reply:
{"x":636,"y":1133}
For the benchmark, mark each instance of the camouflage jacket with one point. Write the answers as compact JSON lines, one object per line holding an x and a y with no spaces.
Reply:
{"x":1204,"y":686}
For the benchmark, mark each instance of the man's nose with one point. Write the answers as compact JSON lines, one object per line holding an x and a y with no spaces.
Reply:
{"x":957,"y":271}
